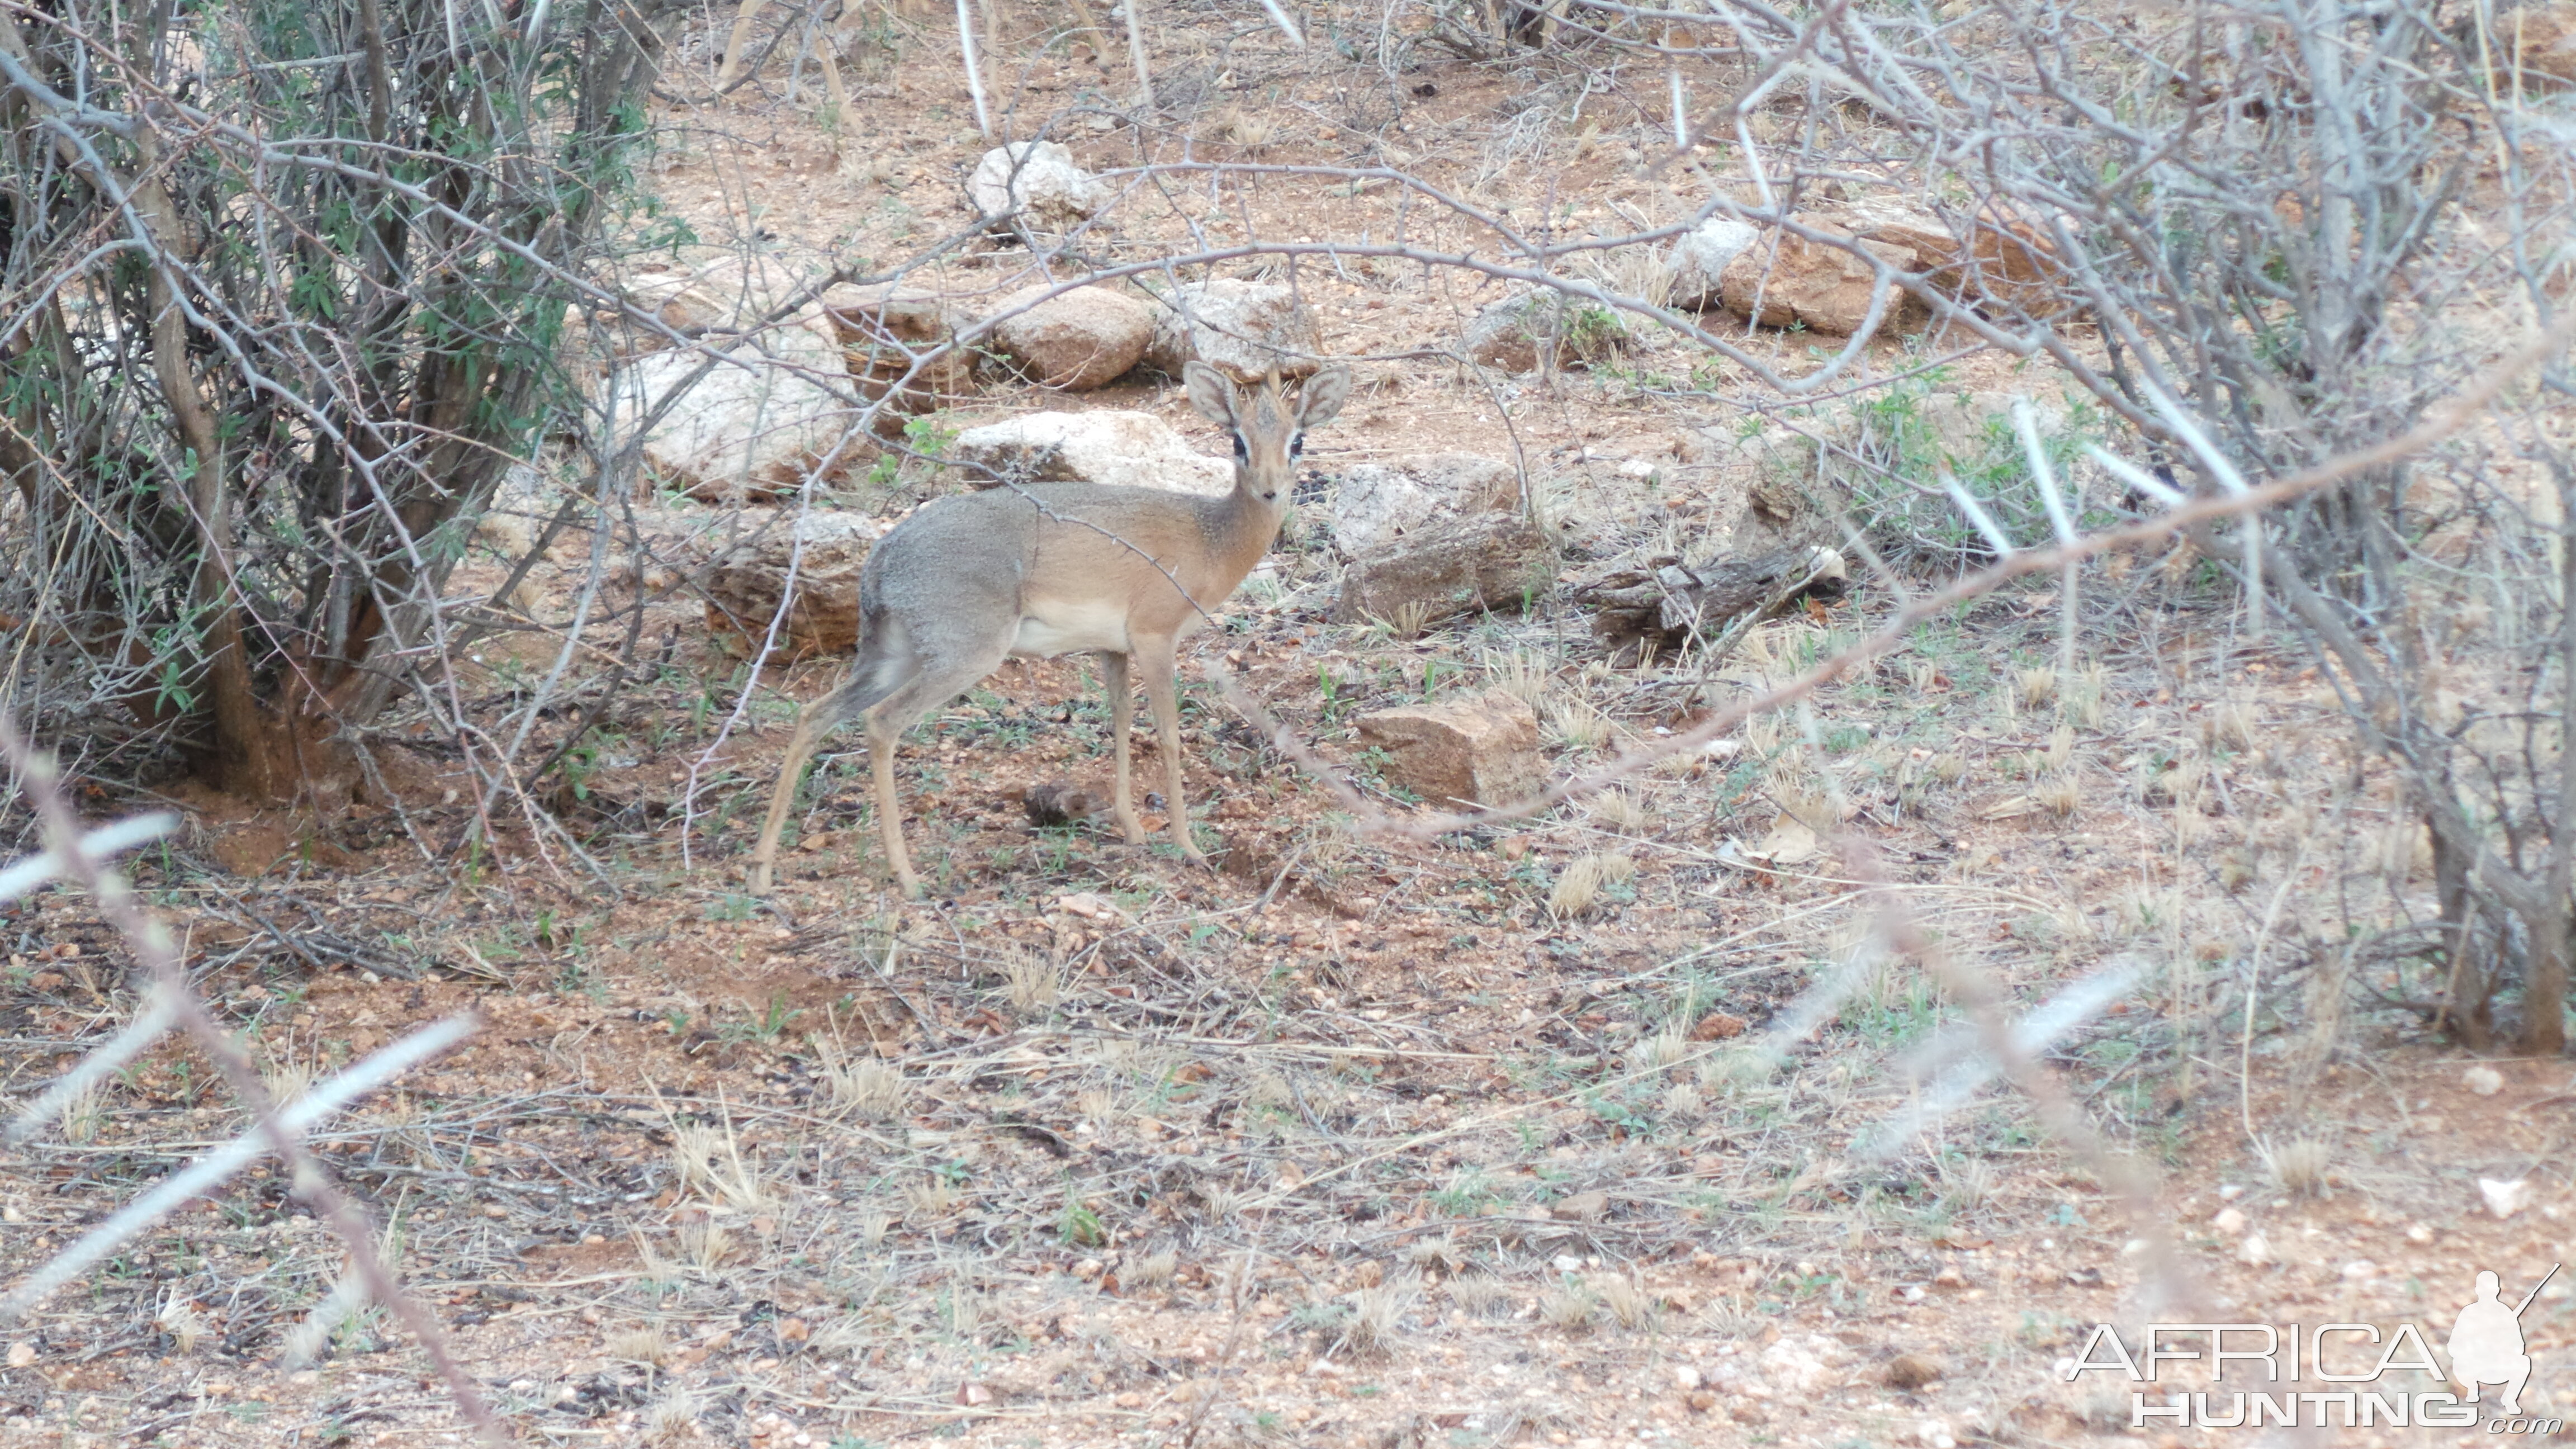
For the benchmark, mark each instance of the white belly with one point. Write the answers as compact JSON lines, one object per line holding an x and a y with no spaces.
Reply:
{"x":1051,"y":628}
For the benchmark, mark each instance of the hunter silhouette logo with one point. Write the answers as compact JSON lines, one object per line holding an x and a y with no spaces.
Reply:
{"x":2486,"y":1342}
{"x":2255,"y":1373}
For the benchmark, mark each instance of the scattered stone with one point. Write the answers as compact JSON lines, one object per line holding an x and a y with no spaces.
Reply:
{"x":1814,"y":284}
{"x":2229,"y":1222}
{"x":1798,"y":1365}
{"x":1950,"y":1276}
{"x":1061,"y":802}
{"x":1479,"y":751}
{"x":1127,"y":449}
{"x":1685,"y":1376}
{"x":728,"y":292}
{"x":1038,"y":180}
{"x":2360,"y":1270}
{"x":1242,"y":329}
{"x":1913,"y":1371}
{"x":1075,"y":341}
{"x":1672,"y":603}
{"x":1377,"y":503}
{"x":2256,"y":1250}
{"x":882,"y":331}
{"x":1543,"y":327}
{"x":2011,"y":263}
{"x":1490,"y":561}
{"x":1700,"y":257}
{"x":2504,"y":1199}
{"x":1582,"y":1207}
{"x":752,"y":428}
{"x":745,"y":584}
{"x":1718,"y":1026}
{"x":2482,"y":1081}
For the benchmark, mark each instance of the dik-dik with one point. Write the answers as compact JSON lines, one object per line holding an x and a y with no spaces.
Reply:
{"x":1053,"y":568}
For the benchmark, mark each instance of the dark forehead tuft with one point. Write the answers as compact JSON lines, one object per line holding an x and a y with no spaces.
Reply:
{"x":1269,"y":414}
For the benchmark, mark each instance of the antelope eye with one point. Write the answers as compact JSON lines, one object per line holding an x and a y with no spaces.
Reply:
{"x":1296,"y":445}
{"x":1242,"y":454}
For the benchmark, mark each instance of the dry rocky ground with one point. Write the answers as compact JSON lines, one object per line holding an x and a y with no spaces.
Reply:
{"x":1571,"y":1130}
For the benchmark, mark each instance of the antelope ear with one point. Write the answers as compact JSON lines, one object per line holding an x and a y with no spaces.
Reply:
{"x":1210,"y":392}
{"x":1322,"y":400}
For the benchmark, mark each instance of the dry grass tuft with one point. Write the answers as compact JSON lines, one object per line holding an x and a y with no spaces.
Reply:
{"x":2302,"y":1166}
{"x":1034,"y":983}
{"x":2038,"y":687}
{"x":2086,"y":697}
{"x":930,"y":1199}
{"x":1154,"y":1270}
{"x":86,"y":1113}
{"x":704,"y":1245}
{"x":1628,"y":1304}
{"x":1579,"y":886}
{"x":2061,"y":747}
{"x":1568,"y":1306}
{"x":1377,"y":1312}
{"x":643,"y":1343}
{"x":1478,"y":1295}
{"x":867,"y":1087}
{"x":1410,"y":619}
{"x":673,"y":1418}
{"x":2059,"y":795}
{"x":1623,"y":811}
{"x":1664,"y":1047}
{"x":1520,"y":674}
{"x":1576,"y":725}
{"x":2230,"y":726}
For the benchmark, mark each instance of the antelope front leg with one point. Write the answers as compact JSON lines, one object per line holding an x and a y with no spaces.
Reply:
{"x":1163,"y":692}
{"x":1122,"y":703}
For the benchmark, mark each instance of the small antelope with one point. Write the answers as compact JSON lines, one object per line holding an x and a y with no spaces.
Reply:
{"x":1049,"y":569}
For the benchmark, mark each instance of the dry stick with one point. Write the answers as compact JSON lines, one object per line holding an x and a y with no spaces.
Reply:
{"x":2044,"y":478}
{"x":974,"y":66}
{"x":2036,"y":1080}
{"x":152,"y":946}
{"x":1136,"y":54}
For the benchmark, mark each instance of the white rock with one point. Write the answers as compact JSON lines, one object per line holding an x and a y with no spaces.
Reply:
{"x":2255,"y":1250}
{"x":2229,"y":1221}
{"x":1699,"y":258}
{"x":1525,"y":328}
{"x":732,"y":290}
{"x":1566,"y":1263}
{"x":1236,"y":327}
{"x":1075,"y":340}
{"x":520,"y":508}
{"x":1129,"y":449}
{"x":1685,"y":1376}
{"x":1038,"y":178}
{"x":753,"y":426}
{"x":1797,"y":1365}
{"x":744,"y":584}
{"x":2504,"y":1199}
{"x":2360,"y":1270}
{"x":2229,"y":1192}
{"x":1377,"y":503}
{"x":2419,"y":1233}
{"x":2482,"y":1081}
